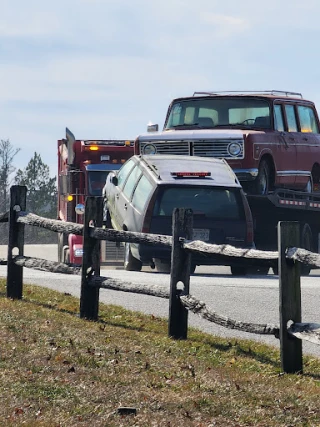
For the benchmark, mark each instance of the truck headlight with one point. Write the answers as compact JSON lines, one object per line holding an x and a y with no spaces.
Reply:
{"x":149,"y":149}
{"x":234,"y":149}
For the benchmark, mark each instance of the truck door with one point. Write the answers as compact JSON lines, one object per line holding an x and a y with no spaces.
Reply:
{"x":286,"y":156}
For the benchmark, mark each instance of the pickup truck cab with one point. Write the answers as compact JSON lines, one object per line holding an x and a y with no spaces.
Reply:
{"x":270,"y":139}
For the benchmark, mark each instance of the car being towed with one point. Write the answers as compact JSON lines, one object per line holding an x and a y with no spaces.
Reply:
{"x":142,"y":195}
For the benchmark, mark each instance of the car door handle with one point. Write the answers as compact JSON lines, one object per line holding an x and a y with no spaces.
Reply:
{"x":125,"y":206}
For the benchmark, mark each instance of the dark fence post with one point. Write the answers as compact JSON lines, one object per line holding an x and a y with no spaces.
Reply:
{"x":182,"y":222}
{"x":290,"y":297}
{"x":89,"y":298}
{"x":18,"y":196}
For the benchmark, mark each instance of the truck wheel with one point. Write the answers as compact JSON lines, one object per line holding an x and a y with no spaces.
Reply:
{"x":262,"y":183}
{"x":258,"y":270}
{"x":130,"y":262}
{"x":306,"y":243}
{"x":162,"y":267}
{"x":238,"y":271}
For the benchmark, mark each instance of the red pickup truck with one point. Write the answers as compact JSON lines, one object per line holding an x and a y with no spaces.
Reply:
{"x":270,"y":138}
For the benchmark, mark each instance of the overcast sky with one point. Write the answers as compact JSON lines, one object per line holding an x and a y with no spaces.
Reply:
{"x":105,"y":68}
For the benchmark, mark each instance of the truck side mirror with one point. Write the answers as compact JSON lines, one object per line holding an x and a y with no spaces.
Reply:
{"x":114,"y":180}
{"x":152,"y":128}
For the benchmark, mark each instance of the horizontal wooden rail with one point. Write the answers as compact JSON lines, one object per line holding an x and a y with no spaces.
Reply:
{"x":50,"y":224}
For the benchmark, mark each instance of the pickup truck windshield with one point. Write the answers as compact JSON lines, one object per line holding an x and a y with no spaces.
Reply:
{"x":214,"y":112}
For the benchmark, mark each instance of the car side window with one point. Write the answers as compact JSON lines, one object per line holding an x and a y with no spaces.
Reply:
{"x":291,"y":118}
{"x":142,"y":193}
{"x":124,"y":172}
{"x":308,"y":122}
{"x":131,"y":182}
{"x":278,"y":118}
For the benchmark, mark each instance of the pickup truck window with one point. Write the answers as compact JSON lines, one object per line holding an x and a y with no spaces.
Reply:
{"x":291,"y":118}
{"x":278,"y":118}
{"x":219,"y":111}
{"x":308,"y":122}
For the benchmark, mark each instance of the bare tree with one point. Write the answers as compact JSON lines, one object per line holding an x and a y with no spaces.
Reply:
{"x":7,"y":155}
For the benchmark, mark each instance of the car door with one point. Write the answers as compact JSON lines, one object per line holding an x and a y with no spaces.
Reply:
{"x":286,"y":157}
{"x":308,"y":145}
{"x":113,"y":191}
{"x":123,"y":203}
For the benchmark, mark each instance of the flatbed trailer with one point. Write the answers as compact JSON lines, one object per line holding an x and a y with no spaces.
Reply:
{"x":286,"y":205}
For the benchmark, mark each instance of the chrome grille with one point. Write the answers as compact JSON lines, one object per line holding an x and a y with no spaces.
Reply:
{"x":208,"y":148}
{"x":215,"y":148}
{"x":169,"y":147}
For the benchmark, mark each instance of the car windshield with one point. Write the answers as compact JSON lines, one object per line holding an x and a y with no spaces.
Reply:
{"x":96,"y":182}
{"x":220,"y":111}
{"x":211,"y":202}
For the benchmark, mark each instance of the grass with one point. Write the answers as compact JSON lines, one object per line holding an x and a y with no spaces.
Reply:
{"x":59,"y":370}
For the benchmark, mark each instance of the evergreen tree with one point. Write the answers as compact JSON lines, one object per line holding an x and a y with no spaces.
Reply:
{"x":7,"y":155}
{"x":41,"y":196}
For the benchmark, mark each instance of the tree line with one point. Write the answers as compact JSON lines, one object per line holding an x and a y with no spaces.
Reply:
{"x":41,"y":190}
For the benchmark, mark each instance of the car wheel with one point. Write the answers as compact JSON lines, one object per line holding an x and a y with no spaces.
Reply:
{"x":262,"y":183}
{"x":130,"y":262}
{"x":238,"y":271}
{"x":258,"y":270}
{"x":306,"y":243}
{"x":162,"y":266}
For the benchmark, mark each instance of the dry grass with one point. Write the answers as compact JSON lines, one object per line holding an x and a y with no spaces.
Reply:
{"x":59,"y":370}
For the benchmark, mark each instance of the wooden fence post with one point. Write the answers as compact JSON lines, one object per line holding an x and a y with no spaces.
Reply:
{"x":182,"y":222}
{"x":89,"y":298}
{"x":290,"y":297}
{"x":18,"y":196}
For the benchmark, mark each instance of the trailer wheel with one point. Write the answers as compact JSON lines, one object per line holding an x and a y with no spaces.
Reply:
{"x":238,"y":270}
{"x":130,"y":262}
{"x":306,"y":243}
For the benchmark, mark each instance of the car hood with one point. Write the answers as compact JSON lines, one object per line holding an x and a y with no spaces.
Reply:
{"x":195,"y":134}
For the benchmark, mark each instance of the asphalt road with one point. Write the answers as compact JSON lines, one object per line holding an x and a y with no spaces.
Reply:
{"x":248,"y":299}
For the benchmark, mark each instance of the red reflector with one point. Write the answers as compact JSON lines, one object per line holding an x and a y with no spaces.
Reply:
{"x":186,"y":174}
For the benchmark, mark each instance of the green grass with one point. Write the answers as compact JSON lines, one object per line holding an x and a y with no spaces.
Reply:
{"x":59,"y":370}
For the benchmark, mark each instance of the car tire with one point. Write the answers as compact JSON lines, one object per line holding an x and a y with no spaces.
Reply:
{"x":162,"y":267}
{"x":130,"y":262}
{"x":258,"y":270}
{"x":262,"y":183}
{"x":306,"y":243}
{"x":238,"y":270}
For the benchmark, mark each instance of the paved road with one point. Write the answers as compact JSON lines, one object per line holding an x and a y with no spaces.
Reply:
{"x":248,"y":299}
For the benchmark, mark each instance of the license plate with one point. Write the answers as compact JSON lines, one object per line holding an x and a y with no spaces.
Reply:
{"x":201,"y":234}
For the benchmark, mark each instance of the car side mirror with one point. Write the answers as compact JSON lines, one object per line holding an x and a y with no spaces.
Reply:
{"x":114,"y":180}
{"x":152,"y":128}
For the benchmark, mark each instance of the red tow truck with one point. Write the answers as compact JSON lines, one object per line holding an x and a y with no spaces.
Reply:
{"x":83,"y":166}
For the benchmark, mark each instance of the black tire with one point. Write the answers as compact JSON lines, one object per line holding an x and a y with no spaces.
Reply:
{"x":130,"y":262}
{"x":306,"y":243}
{"x":161,"y":266}
{"x":262,"y":183}
{"x":258,"y":270}
{"x":238,"y":270}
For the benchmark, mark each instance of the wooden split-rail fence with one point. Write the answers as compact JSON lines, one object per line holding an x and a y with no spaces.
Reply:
{"x":288,"y":258}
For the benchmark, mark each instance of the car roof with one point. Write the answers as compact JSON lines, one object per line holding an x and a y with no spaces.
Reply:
{"x":271,"y":94}
{"x":162,"y":166}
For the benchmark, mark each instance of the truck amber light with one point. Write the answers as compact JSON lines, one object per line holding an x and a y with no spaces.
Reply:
{"x":69,"y":197}
{"x":114,"y":161}
{"x":127,"y":143}
{"x":93,"y":148}
{"x":187,"y":174}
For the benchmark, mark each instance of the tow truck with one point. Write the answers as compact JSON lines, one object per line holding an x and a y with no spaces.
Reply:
{"x":83,"y":166}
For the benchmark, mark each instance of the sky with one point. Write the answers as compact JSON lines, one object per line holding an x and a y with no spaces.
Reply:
{"x":106,"y":68}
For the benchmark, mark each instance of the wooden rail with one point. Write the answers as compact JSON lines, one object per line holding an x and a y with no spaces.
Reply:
{"x":288,"y":259}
